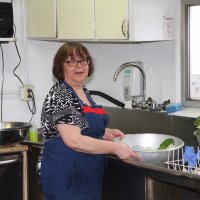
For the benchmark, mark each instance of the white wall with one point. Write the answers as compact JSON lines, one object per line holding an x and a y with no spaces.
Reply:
{"x":159,"y":58}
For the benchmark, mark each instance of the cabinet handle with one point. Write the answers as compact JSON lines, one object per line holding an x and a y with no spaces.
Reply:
{"x":5,"y":162}
{"x":123,"y":28}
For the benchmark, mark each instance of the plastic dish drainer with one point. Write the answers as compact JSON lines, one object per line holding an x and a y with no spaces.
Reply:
{"x":184,"y":161}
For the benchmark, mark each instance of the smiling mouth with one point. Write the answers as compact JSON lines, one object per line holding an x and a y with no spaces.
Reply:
{"x":78,"y":73}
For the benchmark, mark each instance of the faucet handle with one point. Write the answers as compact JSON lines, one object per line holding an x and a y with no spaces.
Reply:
{"x":134,"y":102}
{"x":142,"y":104}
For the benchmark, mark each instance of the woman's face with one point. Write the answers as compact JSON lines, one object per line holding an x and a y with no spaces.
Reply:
{"x":76,"y":70}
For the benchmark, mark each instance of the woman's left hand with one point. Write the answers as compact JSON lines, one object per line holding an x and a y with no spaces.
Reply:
{"x":111,"y":134}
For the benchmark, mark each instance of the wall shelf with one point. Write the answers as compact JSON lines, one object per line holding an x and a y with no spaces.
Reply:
{"x":12,"y":39}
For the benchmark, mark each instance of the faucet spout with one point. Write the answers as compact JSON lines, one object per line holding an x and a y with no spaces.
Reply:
{"x":135,"y":64}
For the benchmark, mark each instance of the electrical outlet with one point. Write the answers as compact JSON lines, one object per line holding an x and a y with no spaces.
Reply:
{"x":26,"y":92}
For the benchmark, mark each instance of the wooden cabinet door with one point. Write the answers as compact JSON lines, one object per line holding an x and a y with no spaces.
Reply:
{"x":111,"y":19}
{"x":41,"y":18}
{"x":75,"y":19}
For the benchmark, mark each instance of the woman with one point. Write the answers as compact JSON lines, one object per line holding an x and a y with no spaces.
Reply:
{"x":74,"y":126}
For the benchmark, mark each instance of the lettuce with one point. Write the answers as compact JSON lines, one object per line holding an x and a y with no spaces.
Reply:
{"x":166,"y":143}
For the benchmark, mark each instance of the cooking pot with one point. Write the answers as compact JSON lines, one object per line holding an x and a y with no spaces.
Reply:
{"x":147,"y":144}
{"x":12,"y":133}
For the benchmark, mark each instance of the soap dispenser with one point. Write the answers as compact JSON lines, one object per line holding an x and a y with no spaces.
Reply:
{"x":34,"y":133}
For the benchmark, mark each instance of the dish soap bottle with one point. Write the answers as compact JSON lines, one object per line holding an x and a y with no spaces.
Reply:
{"x":34,"y":133}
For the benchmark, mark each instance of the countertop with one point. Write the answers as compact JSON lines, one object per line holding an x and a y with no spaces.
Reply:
{"x":187,"y":112}
{"x":15,"y":148}
{"x":153,"y":168}
{"x":40,"y":142}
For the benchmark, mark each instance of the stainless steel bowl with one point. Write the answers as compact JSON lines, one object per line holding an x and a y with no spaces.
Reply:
{"x":12,"y":133}
{"x":147,"y":144}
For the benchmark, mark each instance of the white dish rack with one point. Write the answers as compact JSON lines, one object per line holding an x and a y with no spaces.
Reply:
{"x":176,"y":161}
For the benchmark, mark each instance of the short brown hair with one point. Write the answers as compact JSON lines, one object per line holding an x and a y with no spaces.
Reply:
{"x":67,"y":50}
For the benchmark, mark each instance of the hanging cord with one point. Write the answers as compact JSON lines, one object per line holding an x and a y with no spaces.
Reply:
{"x":2,"y":83}
{"x":33,"y":108}
{"x":18,"y":57}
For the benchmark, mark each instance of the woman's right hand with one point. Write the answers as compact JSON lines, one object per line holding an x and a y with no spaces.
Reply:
{"x":124,"y":152}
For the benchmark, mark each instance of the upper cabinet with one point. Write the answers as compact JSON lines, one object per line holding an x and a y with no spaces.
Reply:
{"x":100,"y":20}
{"x":41,"y":18}
{"x":75,"y":19}
{"x":111,"y":19}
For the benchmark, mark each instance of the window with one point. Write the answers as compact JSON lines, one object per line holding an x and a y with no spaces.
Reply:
{"x":190,"y":55}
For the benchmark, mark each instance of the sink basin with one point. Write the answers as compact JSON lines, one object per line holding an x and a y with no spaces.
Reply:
{"x":147,"y":144}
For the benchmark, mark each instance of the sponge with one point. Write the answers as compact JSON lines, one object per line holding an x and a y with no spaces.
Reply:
{"x":174,"y":107}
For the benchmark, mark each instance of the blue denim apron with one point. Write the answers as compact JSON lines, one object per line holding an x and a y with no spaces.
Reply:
{"x":72,"y":175}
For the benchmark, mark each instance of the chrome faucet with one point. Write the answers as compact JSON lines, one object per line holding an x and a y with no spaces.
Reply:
{"x":138,"y":65}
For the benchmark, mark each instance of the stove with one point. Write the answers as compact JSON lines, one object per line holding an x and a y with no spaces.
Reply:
{"x":13,"y":172}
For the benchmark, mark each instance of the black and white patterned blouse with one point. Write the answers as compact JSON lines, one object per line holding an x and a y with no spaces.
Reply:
{"x":61,"y":106}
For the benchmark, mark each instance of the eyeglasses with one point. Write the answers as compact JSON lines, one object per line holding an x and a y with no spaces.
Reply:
{"x":74,"y":63}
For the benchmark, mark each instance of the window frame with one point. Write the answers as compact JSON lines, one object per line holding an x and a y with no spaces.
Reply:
{"x":185,"y":72}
